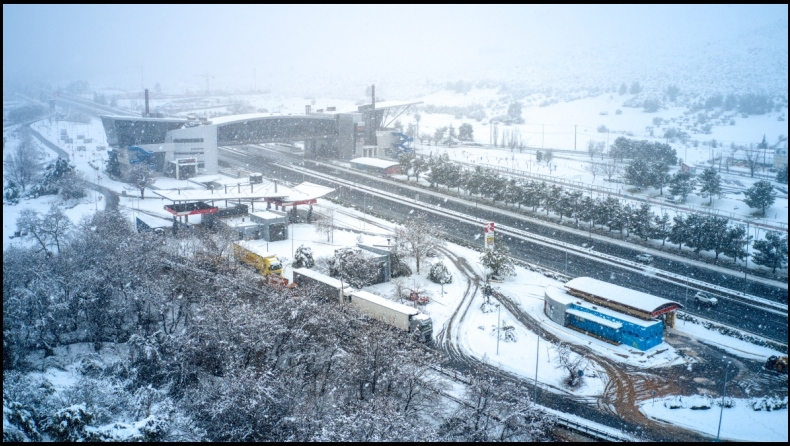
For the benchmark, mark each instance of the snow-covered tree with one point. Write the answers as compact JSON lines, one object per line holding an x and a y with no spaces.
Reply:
{"x":572,"y":363}
{"x":21,"y":164}
{"x":497,"y":259}
{"x":681,"y":184}
{"x":710,"y":183}
{"x":303,"y":257}
{"x":466,"y":132}
{"x":417,"y":238}
{"x":140,"y":176}
{"x":772,"y":251}
{"x":440,"y":274}
{"x":760,"y":196}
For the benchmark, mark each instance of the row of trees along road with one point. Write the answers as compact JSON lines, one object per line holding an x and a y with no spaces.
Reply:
{"x":214,"y":355}
{"x":612,"y":213}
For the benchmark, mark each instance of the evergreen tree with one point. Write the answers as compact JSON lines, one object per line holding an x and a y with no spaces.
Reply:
{"x":681,"y":184}
{"x":781,"y":175}
{"x":640,"y":221}
{"x":635,"y":88}
{"x":661,"y":227}
{"x":710,"y":183}
{"x":736,"y":240}
{"x":465,"y":132}
{"x":407,"y":163}
{"x":659,"y":175}
{"x":679,"y":232}
{"x":497,"y":259}
{"x":760,"y":196}
{"x":623,"y":89}
{"x":440,"y":274}
{"x":771,"y":252}
{"x":637,"y":173}
{"x":715,"y":230}
{"x":514,"y":113}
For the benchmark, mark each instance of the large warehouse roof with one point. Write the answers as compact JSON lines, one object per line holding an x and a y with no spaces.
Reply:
{"x":637,"y":300}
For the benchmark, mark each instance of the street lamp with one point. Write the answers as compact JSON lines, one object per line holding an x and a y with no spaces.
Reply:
{"x":723,"y":393}
{"x":537,"y":355}
{"x":498,"y":327}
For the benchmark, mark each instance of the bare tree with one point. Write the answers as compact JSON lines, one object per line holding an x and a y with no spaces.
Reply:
{"x":593,"y":168}
{"x":21,"y":164}
{"x":417,"y":238}
{"x":610,"y":168}
{"x":571,"y":363}
{"x":140,"y":176}
{"x":47,"y":230}
{"x":326,"y":224}
{"x":752,"y":156}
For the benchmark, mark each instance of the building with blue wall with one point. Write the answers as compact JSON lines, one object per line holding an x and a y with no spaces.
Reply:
{"x":634,"y":319}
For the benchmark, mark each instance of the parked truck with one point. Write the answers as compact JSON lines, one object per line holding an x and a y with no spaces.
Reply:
{"x":391,"y":313}
{"x":320,"y":285}
{"x":394,"y":314}
{"x":265,"y":262}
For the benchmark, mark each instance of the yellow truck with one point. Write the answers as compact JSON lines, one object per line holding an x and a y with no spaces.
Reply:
{"x":265,"y":262}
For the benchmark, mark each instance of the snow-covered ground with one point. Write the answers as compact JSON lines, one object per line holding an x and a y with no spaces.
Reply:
{"x":738,"y":423}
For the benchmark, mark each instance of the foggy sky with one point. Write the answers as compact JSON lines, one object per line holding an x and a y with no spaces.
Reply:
{"x":127,"y":45}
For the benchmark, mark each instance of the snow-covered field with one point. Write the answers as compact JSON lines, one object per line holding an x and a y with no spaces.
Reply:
{"x":738,"y":423}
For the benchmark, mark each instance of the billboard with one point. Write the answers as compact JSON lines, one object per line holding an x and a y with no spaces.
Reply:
{"x":488,"y":231}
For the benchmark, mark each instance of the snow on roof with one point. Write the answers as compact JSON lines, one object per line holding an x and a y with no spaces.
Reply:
{"x":256,"y":247}
{"x":309,"y":191}
{"x":301,"y":192}
{"x":400,"y":308}
{"x":615,"y":293}
{"x":268,"y":215}
{"x":253,"y":116}
{"x":562,"y":296}
{"x":239,"y":222}
{"x":593,"y":318}
{"x":155,"y":222}
{"x":315,"y":275}
{"x":375,"y":162}
{"x":559,"y":295}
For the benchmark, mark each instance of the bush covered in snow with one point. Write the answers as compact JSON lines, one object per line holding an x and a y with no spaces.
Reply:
{"x":303,"y":258}
{"x":440,"y":274}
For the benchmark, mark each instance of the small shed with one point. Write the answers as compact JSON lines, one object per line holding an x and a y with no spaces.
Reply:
{"x":274,"y":224}
{"x":377,"y":166}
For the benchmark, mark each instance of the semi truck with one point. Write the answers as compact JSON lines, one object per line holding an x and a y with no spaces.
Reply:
{"x":322,"y":285}
{"x":391,"y":313}
{"x":265,"y":262}
{"x":394,"y":314}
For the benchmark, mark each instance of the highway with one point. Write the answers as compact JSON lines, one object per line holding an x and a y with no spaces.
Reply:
{"x":766,"y":316}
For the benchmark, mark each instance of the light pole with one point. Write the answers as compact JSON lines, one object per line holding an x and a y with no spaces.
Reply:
{"x":498,"y":327}
{"x":723,"y":393}
{"x":537,"y":355}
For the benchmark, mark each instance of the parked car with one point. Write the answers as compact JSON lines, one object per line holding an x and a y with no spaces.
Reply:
{"x":706,"y":298}
{"x":644,"y":258}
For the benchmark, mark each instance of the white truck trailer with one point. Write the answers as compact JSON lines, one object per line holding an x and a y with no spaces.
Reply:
{"x":392,"y":313}
{"x":322,"y":285}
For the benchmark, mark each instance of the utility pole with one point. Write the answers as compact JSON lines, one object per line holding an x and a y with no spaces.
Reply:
{"x":537,"y":355}
{"x":723,"y":393}
{"x":574,"y":137}
{"x":498,"y":327}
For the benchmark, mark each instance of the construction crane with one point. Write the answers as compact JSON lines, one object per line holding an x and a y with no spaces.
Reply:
{"x":206,"y":76}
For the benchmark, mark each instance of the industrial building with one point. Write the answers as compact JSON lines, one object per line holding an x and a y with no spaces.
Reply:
{"x":186,"y":147}
{"x":610,"y":312}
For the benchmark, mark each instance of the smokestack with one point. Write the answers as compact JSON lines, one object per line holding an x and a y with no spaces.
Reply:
{"x":373,"y":97}
{"x":307,"y":109}
{"x":147,"y":111}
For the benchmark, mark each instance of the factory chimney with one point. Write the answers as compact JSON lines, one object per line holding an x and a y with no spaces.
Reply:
{"x":147,"y":111}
